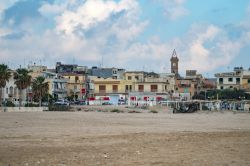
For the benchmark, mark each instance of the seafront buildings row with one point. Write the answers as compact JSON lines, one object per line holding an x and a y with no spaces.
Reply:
{"x":114,"y":85}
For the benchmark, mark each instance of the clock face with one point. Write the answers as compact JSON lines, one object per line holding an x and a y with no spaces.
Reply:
{"x":174,"y":64}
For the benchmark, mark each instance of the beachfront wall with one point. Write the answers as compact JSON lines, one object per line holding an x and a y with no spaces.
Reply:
{"x":23,"y":109}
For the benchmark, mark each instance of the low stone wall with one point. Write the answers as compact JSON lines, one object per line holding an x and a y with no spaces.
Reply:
{"x":23,"y":109}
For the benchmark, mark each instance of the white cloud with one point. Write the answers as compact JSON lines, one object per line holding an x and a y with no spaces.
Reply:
{"x":4,"y":31}
{"x":4,"y":4}
{"x":48,"y":9}
{"x":54,"y":45}
{"x":91,"y":13}
{"x":204,"y":47}
{"x":174,"y":9}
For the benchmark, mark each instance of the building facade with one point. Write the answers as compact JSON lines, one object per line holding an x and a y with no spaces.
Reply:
{"x":75,"y":85}
{"x":11,"y":93}
{"x":230,"y":80}
{"x":115,"y":73}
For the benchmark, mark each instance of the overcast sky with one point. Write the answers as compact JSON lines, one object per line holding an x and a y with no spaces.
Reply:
{"x":209,"y":36}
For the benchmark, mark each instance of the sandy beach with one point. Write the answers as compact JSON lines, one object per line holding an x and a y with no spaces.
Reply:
{"x":104,"y":138}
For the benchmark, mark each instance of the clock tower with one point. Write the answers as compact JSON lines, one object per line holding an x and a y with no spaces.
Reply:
{"x":174,"y":63}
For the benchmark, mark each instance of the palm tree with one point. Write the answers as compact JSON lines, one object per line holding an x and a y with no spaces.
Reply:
{"x":40,"y":88}
{"x":5,"y":75}
{"x":23,"y":80}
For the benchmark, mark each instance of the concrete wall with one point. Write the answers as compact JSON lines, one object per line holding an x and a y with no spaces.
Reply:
{"x":23,"y":109}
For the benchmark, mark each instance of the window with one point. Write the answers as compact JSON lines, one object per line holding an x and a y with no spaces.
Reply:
{"x":128,"y":88}
{"x":230,"y":79}
{"x":114,"y":72}
{"x":237,"y":80}
{"x":7,"y":91}
{"x":221,"y":80}
{"x":102,"y":88}
{"x":221,"y":87}
{"x":15,"y":91}
{"x":154,"y":88}
{"x":248,"y":81}
{"x":129,"y":77}
{"x":76,"y":78}
{"x":115,"y":88}
{"x":11,"y":90}
{"x":137,"y":77}
{"x":141,"y":88}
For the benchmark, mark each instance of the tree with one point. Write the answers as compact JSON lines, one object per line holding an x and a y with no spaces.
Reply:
{"x":40,"y":88}
{"x":23,"y":81}
{"x":5,"y":75}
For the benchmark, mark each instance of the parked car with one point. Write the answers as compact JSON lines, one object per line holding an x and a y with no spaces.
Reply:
{"x":121,"y":102}
{"x":62,"y":102}
{"x":80,"y":102}
{"x":106,"y":103}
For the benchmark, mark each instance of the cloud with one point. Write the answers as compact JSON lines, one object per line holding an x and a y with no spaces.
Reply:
{"x":6,"y":4}
{"x":113,"y":32}
{"x":115,"y":25}
{"x":91,"y":13}
{"x":174,"y":9}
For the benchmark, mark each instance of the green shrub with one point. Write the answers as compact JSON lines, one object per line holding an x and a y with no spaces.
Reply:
{"x":31,"y":105}
{"x":116,"y":110}
{"x":59,"y":108}
{"x":153,"y":111}
{"x":9,"y":104}
{"x":133,"y":111}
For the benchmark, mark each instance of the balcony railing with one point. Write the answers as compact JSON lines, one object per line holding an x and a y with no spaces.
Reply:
{"x":57,"y":90}
{"x":154,"y":90}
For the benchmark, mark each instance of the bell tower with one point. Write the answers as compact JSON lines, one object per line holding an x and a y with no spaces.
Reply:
{"x":174,"y":63}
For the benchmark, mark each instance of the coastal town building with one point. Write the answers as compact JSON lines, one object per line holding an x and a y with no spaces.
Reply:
{"x":239,"y":78}
{"x":115,"y":73}
{"x":11,"y":92}
{"x":75,"y":85}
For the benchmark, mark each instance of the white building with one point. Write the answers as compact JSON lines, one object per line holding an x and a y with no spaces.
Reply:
{"x":232,"y":80}
{"x":57,"y":84}
{"x":11,"y":93}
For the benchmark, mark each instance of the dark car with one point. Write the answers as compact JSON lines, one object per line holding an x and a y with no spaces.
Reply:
{"x":106,"y":103}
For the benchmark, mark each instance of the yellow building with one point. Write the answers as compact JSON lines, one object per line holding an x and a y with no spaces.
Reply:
{"x":134,"y":75}
{"x":111,"y":86}
{"x":246,"y":83}
{"x":150,"y":82}
{"x":75,"y":85}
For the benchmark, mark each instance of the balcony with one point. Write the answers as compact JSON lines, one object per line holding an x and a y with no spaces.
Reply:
{"x":102,"y":91}
{"x":154,"y":90}
{"x":74,"y":90}
{"x":57,"y":90}
{"x":115,"y":91}
{"x":76,"y":81}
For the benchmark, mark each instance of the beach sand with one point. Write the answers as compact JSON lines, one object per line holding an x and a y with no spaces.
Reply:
{"x":98,"y":138}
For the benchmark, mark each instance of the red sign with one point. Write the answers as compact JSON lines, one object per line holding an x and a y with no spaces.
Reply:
{"x":132,"y":98}
{"x":91,"y":98}
{"x":158,"y":98}
{"x":145,"y":98}
{"x":83,"y":90}
{"x":106,"y":98}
